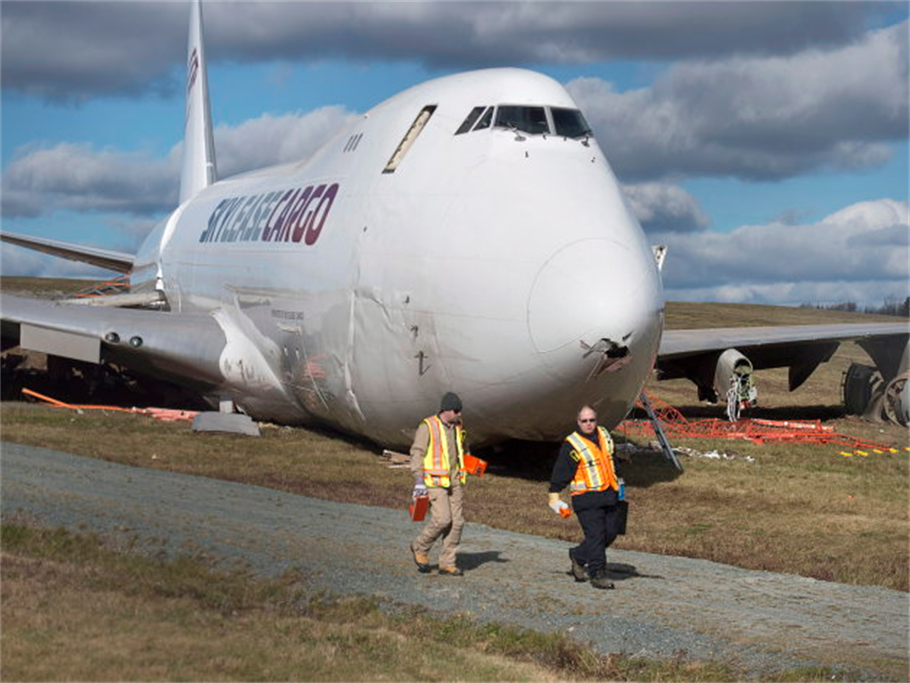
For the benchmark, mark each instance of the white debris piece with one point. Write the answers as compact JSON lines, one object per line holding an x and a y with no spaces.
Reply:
{"x":713,"y":455}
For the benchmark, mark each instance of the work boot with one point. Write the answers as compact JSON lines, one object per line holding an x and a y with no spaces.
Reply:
{"x":578,"y":569}
{"x":600,"y":579}
{"x":450,"y":571}
{"x":421,"y":560}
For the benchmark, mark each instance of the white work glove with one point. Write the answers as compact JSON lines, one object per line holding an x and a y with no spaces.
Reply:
{"x":420,"y":489}
{"x":558,"y":508}
{"x":557,"y":505}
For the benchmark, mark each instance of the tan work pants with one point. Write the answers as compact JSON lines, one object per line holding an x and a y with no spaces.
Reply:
{"x":446,"y":520}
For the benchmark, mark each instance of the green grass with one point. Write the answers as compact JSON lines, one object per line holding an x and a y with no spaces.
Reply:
{"x":685,"y":315}
{"x":75,"y":610}
{"x":800,"y":509}
{"x":43,"y":287}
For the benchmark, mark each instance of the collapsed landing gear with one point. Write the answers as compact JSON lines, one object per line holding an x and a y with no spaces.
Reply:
{"x":866,"y":393}
{"x":894,"y":403}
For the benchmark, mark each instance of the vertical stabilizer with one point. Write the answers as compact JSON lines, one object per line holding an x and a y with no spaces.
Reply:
{"x":198,"y":143}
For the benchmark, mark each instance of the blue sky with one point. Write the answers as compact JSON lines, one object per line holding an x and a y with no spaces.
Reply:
{"x":747,"y":135}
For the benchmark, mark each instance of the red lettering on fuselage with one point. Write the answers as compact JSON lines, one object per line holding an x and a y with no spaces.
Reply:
{"x":300,"y":225}
{"x":314,"y":228}
{"x":293,"y":215}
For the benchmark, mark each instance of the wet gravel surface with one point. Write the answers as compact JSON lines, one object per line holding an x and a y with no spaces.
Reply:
{"x":662,"y":606}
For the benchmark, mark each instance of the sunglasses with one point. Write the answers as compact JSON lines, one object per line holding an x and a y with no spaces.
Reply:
{"x":591,"y":419}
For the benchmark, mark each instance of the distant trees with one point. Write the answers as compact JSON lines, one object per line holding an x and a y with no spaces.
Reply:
{"x":891,"y":306}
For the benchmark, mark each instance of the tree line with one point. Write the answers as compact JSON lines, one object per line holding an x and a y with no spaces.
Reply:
{"x":891,"y":306}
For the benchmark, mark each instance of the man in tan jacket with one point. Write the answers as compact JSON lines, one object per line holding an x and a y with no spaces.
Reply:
{"x":437,"y":463}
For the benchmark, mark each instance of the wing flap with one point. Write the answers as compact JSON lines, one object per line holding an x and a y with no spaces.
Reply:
{"x":184,"y":348}
{"x":60,"y":343}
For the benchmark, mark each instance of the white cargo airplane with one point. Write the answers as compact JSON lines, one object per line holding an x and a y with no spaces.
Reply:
{"x":467,"y":234}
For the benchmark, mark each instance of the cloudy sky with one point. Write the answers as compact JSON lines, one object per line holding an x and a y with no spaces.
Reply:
{"x":765,"y":142}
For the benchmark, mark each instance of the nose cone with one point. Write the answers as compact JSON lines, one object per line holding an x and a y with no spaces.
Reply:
{"x":593,"y":289}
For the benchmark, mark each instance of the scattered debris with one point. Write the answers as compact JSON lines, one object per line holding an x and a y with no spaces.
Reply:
{"x":232,"y":423}
{"x":396,"y":460}
{"x":713,"y":455}
{"x":625,"y":451}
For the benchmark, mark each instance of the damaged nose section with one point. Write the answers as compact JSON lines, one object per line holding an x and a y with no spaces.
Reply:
{"x":612,"y":355}
{"x":592,"y":303}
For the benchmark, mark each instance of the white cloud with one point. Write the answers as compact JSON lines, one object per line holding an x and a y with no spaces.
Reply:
{"x":81,"y":178}
{"x":859,"y":253}
{"x":77,"y":50}
{"x":661,"y":207}
{"x":758,"y":118}
{"x":24,"y":262}
{"x":71,"y":51}
{"x":270,"y":140}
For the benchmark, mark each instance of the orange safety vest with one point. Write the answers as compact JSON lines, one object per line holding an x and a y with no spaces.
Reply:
{"x":437,"y":460}
{"x":595,"y":471}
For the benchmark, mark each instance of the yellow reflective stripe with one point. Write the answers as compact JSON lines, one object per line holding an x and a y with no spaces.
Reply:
{"x":437,"y":467}
{"x":606,"y":449}
{"x":460,"y":471}
{"x":436,"y":460}
{"x":585,"y":475}
{"x":437,"y":445}
{"x":595,"y":471}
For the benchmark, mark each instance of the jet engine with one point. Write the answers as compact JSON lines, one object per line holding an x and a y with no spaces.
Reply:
{"x":733,"y":380}
{"x":720,"y":376}
{"x":879,"y":393}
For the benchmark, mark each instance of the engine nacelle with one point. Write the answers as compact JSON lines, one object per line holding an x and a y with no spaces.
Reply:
{"x":733,"y":382}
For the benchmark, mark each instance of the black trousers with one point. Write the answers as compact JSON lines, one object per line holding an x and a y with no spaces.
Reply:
{"x":600,"y":526}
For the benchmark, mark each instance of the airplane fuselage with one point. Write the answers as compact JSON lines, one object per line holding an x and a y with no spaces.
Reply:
{"x":406,"y":259}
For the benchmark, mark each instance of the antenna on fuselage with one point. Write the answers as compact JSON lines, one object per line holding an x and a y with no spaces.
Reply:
{"x":198,"y":143}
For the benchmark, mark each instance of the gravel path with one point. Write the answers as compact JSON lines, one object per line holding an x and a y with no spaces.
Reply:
{"x":662,"y":605}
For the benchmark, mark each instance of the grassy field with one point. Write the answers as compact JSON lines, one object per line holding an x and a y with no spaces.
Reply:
{"x":44,"y":287}
{"x":75,"y":610}
{"x":801,"y":509}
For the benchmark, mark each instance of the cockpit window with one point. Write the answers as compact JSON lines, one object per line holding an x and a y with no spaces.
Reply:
{"x":486,"y":120}
{"x":531,"y":120}
{"x":537,"y":120}
{"x":470,"y":120}
{"x":570,"y":123}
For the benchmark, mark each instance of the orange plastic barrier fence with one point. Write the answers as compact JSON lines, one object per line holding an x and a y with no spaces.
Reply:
{"x":163,"y":414}
{"x":756,"y":430}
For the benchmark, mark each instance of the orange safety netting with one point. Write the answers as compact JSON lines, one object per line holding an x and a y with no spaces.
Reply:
{"x":117,"y":285}
{"x":675,"y":425}
{"x":163,"y":414}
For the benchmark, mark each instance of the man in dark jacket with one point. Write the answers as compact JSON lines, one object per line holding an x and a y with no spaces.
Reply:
{"x":586,"y":465}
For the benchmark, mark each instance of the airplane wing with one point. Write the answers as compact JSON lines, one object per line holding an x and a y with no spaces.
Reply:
{"x":712,"y":357}
{"x":679,"y":344}
{"x":172,"y":345}
{"x":113,"y":260}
